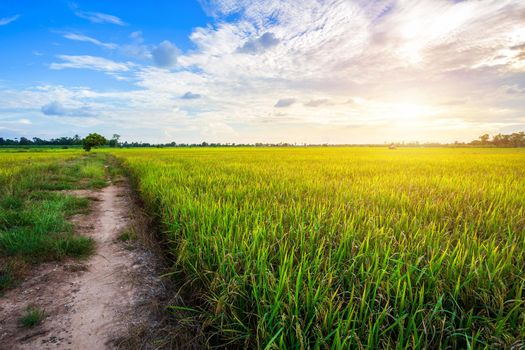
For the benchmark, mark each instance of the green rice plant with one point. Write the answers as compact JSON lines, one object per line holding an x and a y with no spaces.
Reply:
{"x":343,"y":248}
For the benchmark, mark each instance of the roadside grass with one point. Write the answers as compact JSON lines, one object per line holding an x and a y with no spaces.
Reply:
{"x":115,"y":170}
{"x":126,"y":235}
{"x":6,"y":280}
{"x":32,"y":317}
{"x":34,"y":225}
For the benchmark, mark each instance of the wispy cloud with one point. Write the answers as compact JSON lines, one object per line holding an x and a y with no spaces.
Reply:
{"x":316,"y":103}
{"x":90,"y":62}
{"x":98,"y":17}
{"x":85,"y":38}
{"x":357,"y":70}
{"x":285,"y":102}
{"x":6,"y":20}
{"x":137,"y":48}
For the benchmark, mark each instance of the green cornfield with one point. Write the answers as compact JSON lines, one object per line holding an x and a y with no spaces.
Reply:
{"x":338,"y":248}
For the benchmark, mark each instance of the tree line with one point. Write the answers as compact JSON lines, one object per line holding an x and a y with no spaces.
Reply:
{"x":35,"y":141}
{"x":516,"y":139}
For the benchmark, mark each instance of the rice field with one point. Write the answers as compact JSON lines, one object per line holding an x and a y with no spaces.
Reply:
{"x":305,"y":248}
{"x":11,"y":162}
{"x":336,"y":248}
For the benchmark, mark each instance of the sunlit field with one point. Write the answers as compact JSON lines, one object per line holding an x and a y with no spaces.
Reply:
{"x":13,"y":160}
{"x":344,"y":247}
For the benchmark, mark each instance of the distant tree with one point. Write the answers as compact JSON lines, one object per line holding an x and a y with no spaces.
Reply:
{"x":484,"y":139}
{"x":24,"y":141}
{"x":114,"y":141}
{"x":93,"y":140}
{"x":38,"y":141}
{"x":501,"y":140}
{"x":517,"y":139}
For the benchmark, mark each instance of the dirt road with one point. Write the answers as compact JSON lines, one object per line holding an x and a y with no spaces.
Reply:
{"x":90,"y":304}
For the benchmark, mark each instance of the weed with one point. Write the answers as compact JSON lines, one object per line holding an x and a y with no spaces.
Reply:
{"x":6,"y":279}
{"x":32,"y":317}
{"x":126,"y":235}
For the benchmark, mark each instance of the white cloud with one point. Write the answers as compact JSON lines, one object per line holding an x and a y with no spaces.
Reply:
{"x":6,"y":20}
{"x":98,"y":17}
{"x":264,"y":42}
{"x":370,"y":69}
{"x":85,"y":38}
{"x":90,"y":62}
{"x":410,"y":57}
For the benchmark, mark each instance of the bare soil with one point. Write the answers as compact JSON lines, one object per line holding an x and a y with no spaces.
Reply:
{"x":91,"y":304}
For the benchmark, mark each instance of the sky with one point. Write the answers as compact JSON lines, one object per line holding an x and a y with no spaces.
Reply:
{"x":246,"y":71}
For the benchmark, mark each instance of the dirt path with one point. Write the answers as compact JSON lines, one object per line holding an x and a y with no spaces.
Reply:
{"x":92,"y":304}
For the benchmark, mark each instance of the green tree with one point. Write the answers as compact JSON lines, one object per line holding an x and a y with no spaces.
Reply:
{"x":93,"y":140}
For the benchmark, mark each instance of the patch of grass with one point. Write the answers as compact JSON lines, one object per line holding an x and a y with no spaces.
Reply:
{"x":97,"y":183}
{"x":82,"y":172}
{"x":34,"y":225}
{"x":32,"y":317}
{"x":35,"y":247}
{"x":126,"y":235}
{"x":92,"y":170}
{"x":40,"y":230}
{"x":115,"y":170}
{"x":6,"y":279}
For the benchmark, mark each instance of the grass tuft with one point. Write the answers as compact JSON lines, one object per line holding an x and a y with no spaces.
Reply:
{"x":6,"y":280}
{"x":126,"y":235}
{"x":32,"y":317}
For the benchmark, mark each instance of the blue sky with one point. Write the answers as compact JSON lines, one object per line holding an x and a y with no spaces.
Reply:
{"x":38,"y":35}
{"x":336,"y":71}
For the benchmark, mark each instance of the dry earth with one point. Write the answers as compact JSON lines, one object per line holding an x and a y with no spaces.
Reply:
{"x":91,"y":304}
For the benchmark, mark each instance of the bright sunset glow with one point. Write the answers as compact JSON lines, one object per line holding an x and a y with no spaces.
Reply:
{"x":313,"y":71}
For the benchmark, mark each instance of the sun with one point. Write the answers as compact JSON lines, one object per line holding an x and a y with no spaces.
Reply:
{"x":407,"y":113}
